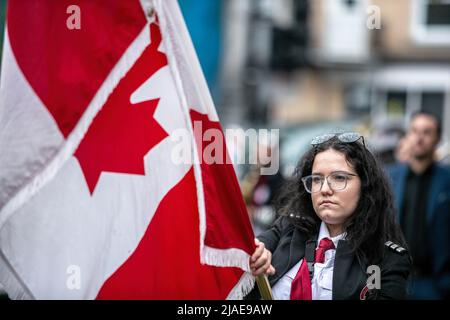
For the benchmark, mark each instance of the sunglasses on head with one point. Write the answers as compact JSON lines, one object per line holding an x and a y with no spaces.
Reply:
{"x":346,"y":137}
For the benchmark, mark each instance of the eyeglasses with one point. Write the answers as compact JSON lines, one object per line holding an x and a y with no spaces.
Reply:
{"x":346,"y":137}
{"x":336,"y":181}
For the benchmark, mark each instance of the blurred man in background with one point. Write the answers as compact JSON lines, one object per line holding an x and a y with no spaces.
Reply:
{"x":422,"y":191}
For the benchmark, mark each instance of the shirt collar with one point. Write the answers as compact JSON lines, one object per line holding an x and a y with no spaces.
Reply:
{"x":324,"y":233}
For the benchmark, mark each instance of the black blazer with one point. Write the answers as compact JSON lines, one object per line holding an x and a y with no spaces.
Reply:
{"x":287,"y":245}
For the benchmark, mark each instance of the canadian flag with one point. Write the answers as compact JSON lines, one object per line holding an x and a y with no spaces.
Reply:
{"x":93,"y":204}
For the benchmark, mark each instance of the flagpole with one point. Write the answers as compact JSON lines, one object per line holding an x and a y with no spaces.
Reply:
{"x":264,"y":287}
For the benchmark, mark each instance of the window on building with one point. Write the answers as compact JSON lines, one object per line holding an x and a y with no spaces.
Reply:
{"x":396,"y":103}
{"x":433,"y":102}
{"x":357,"y":99}
{"x":430,"y":22}
{"x":438,"y":12}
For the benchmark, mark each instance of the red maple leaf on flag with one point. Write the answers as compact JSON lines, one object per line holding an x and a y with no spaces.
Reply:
{"x":122,"y":133}
{"x":67,"y":67}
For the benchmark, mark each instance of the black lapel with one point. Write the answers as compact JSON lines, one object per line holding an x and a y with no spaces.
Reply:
{"x":348,"y":275}
{"x":284,"y":260}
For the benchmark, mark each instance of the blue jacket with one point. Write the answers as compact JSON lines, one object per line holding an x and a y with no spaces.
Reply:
{"x":436,"y":286}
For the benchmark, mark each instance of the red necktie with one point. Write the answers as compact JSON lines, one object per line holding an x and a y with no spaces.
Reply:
{"x":301,"y":285}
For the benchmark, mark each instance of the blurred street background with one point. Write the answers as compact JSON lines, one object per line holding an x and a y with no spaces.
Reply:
{"x":312,"y":67}
{"x":307,"y":66}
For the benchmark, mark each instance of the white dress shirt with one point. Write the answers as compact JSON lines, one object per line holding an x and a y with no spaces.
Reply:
{"x":322,"y":282}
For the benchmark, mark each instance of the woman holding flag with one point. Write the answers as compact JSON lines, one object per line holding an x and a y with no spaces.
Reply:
{"x":336,"y":237}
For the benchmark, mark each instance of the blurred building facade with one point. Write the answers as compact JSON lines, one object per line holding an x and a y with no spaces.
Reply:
{"x":2,"y":25}
{"x":288,"y":62}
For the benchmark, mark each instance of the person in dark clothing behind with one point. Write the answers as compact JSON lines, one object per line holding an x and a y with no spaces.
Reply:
{"x":260,"y":188}
{"x":422,"y":196}
{"x":336,"y":227}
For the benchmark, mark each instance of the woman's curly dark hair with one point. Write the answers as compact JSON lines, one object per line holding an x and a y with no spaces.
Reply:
{"x":371,"y":224}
